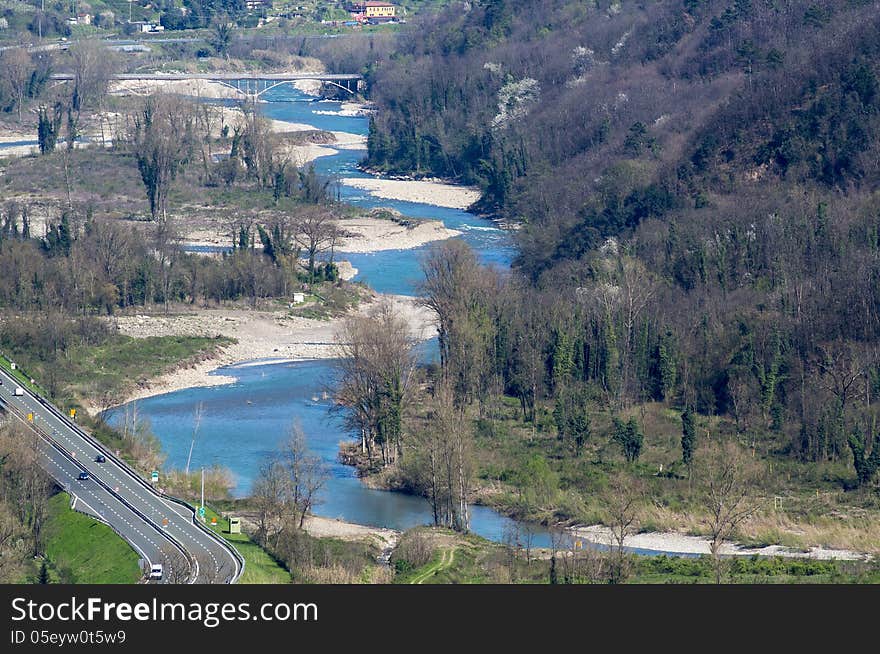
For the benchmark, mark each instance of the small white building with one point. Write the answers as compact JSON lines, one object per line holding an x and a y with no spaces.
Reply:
{"x":299,"y":298}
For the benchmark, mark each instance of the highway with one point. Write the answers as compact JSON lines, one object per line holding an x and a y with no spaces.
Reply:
{"x":161,"y":529}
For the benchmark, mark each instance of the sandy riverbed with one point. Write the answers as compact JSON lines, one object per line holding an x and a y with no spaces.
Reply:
{"x":376,"y":234}
{"x":364,"y":234}
{"x":684,"y":544}
{"x":428,"y":192}
{"x":331,"y":528}
{"x":270,"y":335}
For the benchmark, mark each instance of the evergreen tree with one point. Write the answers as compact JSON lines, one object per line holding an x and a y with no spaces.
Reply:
{"x":47,"y":130}
{"x":630,"y":438}
{"x":688,"y":437}
{"x":866,"y":465}
{"x":43,"y":577}
{"x":268,"y":246}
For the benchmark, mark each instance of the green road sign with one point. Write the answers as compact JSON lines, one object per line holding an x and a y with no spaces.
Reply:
{"x":201,"y":512}
{"x":154,"y":476}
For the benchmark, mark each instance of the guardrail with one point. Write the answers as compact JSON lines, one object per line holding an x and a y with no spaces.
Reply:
{"x":143,"y":482}
{"x":239,"y":559}
{"x":72,"y":459}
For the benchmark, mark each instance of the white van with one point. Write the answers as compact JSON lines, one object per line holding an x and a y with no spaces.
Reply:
{"x":156,"y":571}
{"x":19,"y":391}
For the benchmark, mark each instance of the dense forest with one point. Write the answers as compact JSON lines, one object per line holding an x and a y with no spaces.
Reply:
{"x":694,"y":184}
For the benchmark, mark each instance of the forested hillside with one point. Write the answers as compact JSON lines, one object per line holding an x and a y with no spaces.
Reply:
{"x":696,"y":184}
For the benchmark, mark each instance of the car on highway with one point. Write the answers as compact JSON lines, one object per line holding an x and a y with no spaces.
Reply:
{"x":18,"y":392}
{"x":156,"y":571}
{"x":83,"y":476}
{"x":100,"y":459}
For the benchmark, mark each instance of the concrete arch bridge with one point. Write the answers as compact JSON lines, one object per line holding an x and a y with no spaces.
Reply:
{"x":250,"y":85}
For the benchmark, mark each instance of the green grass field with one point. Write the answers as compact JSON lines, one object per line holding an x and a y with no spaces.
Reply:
{"x":115,"y":366}
{"x":259,"y":567}
{"x":81,"y":550}
{"x":122,"y":360}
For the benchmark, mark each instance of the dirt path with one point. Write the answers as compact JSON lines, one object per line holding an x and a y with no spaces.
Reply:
{"x":447,"y":558}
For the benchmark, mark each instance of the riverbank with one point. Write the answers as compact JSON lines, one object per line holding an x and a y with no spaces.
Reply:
{"x":675,"y":543}
{"x":362,"y":234}
{"x":366,"y":234}
{"x":440,"y":194}
{"x":258,"y":335}
{"x":812,"y":542}
{"x":320,"y":527}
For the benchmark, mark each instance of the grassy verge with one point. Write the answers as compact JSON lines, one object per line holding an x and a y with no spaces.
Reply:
{"x":81,"y":550}
{"x":259,"y":567}
{"x":324,"y":560}
{"x":17,"y":373}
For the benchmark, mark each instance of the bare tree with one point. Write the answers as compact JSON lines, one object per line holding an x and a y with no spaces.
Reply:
{"x":315,"y":231}
{"x":842,"y":365}
{"x":444,"y":446}
{"x":176,"y":568}
{"x":13,"y":549}
{"x":93,"y":67}
{"x":268,"y":496}
{"x":376,"y":377}
{"x":26,"y":485}
{"x":162,"y":144}
{"x":726,"y":477}
{"x":621,"y":501}
{"x":462,"y":293}
{"x":166,"y":243}
{"x":257,"y":146}
{"x":16,"y":67}
{"x":305,"y":474}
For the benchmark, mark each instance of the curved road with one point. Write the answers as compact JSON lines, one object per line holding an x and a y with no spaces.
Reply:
{"x":161,"y":529}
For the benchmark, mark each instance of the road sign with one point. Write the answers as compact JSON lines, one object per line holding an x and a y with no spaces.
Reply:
{"x":73,"y":413}
{"x":154,"y":476}
{"x":213,"y":521}
{"x":201,"y":512}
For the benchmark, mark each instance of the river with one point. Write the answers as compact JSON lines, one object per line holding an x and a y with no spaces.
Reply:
{"x":244,"y":421}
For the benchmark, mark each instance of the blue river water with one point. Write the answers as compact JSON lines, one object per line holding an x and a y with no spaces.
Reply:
{"x":245,"y":421}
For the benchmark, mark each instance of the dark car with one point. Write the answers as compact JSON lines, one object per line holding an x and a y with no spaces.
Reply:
{"x":100,"y":459}
{"x":83,"y":476}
